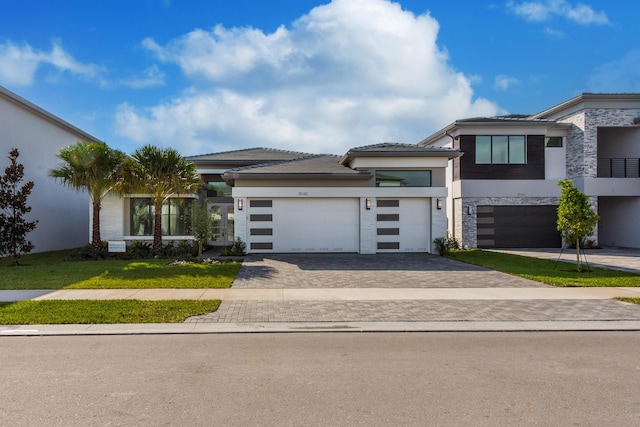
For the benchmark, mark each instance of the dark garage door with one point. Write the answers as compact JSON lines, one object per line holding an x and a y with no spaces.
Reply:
{"x":518,"y":227}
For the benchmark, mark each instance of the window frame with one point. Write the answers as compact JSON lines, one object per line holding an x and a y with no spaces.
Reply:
{"x":427,"y":172}
{"x":175,"y":216}
{"x":504,"y":156}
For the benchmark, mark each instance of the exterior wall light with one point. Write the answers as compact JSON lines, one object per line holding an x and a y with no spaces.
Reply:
{"x":469,"y":210}
{"x":240,"y":204}
{"x":439,"y":203}
{"x":367,"y":204}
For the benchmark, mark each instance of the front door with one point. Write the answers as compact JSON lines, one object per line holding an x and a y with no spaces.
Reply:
{"x":222,"y":221}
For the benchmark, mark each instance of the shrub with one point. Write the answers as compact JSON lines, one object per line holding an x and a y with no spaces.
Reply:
{"x":444,"y":245}
{"x":238,"y":248}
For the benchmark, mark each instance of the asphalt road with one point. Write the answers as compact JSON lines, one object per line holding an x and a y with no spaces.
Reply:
{"x":323,"y":379}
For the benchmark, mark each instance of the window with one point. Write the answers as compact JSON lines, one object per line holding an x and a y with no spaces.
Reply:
{"x":218,"y":189}
{"x":390,"y":178}
{"x":553,"y":141}
{"x":501,"y":149}
{"x":176,"y":213}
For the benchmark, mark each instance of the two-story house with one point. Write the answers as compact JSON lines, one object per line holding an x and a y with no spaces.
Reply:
{"x":62,"y":213}
{"x":503,"y":191}
{"x":378,"y":198}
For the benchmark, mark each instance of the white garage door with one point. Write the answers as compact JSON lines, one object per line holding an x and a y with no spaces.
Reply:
{"x":304,"y":225}
{"x":403,"y":225}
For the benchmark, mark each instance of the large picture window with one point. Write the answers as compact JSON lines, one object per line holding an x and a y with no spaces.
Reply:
{"x":176,"y":213}
{"x":501,"y":149}
{"x":391,"y":178}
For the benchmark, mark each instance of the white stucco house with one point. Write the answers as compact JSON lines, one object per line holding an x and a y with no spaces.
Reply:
{"x":63,"y":214}
{"x":379,"y":198}
{"x":503,"y":192}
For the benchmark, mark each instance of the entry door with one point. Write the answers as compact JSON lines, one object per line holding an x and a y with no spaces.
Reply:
{"x":222,"y":223}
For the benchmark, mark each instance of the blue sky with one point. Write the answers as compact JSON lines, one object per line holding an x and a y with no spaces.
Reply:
{"x":204,"y":76}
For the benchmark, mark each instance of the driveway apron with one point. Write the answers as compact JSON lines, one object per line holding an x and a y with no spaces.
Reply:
{"x":316,"y":271}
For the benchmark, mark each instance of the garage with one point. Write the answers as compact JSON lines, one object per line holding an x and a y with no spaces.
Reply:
{"x":403,"y":225}
{"x":518,"y":227}
{"x":304,"y":225}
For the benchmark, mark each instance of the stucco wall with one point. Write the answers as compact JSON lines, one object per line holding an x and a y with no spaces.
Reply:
{"x":63,"y":214}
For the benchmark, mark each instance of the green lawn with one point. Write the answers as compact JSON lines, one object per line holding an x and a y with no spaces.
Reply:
{"x":93,"y":312}
{"x":547,"y":271}
{"x":51,"y":270}
{"x":631,"y":300}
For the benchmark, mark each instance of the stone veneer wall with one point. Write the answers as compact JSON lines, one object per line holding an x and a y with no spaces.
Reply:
{"x":457,"y":220}
{"x":582,"y":141}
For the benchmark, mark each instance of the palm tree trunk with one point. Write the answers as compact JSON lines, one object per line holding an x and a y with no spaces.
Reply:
{"x":578,"y":255}
{"x":157,"y":227}
{"x":96,"y":240}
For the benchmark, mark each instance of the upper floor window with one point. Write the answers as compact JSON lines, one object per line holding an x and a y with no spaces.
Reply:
{"x":395,"y":178}
{"x":501,"y":149}
{"x":218,"y":189}
{"x":553,"y":141}
{"x":176,"y":214}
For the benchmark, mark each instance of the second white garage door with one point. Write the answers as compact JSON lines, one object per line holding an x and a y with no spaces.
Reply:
{"x":307,"y":225}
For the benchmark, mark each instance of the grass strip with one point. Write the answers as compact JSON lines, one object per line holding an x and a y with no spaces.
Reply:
{"x":102,"y":311}
{"x":631,"y":300}
{"x":561,"y":274}
{"x":51,"y":270}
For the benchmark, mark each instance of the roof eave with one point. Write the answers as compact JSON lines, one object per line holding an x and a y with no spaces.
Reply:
{"x":507,"y":123}
{"x":29,"y":106}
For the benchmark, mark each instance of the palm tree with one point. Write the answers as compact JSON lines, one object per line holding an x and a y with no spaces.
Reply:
{"x":93,"y":167}
{"x":160,"y":173}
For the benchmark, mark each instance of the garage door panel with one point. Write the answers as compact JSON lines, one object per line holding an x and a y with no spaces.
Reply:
{"x":412,"y":222}
{"x":518,"y":227}
{"x":315,"y":225}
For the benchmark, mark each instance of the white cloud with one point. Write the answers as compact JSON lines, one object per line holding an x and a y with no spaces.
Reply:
{"x":151,"y":77}
{"x":349,"y":73}
{"x":503,"y":82}
{"x":543,"y":10}
{"x":617,"y":76}
{"x":19,"y":63}
{"x":551,"y":32}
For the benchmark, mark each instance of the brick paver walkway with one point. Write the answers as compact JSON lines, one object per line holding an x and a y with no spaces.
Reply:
{"x":395,"y":271}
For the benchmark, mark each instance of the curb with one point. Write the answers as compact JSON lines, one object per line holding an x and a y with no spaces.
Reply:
{"x":316,"y":327}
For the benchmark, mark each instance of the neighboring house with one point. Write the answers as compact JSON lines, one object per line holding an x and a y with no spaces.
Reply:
{"x":504,"y":192}
{"x":378,"y":198}
{"x":63,"y":214}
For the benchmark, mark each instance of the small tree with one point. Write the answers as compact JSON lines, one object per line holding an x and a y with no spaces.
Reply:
{"x":576,"y":218}
{"x":161,"y":173}
{"x":200,"y":226}
{"x":93,"y":167}
{"x":13,"y":208}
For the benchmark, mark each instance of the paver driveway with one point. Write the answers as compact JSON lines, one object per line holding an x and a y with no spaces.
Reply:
{"x":290,"y":271}
{"x":408,"y":270}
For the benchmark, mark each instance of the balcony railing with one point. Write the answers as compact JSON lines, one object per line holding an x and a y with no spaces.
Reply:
{"x":618,"y":168}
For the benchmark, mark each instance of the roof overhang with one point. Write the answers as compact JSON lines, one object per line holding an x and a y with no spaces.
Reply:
{"x":589,"y":97}
{"x":231,"y":177}
{"x":461,"y":124}
{"x":432,"y":152}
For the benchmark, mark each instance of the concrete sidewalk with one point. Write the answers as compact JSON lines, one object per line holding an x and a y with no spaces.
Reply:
{"x":329,"y":294}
